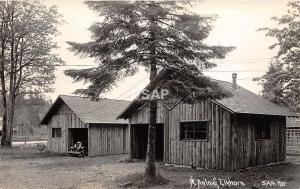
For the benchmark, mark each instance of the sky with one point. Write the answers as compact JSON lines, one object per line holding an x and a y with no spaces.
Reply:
{"x":237,"y":24}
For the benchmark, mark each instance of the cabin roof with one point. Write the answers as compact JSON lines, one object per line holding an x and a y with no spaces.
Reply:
{"x":246,"y":102}
{"x":242,"y":101}
{"x":100,"y":111}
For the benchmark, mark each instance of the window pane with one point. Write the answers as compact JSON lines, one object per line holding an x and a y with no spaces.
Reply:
{"x":200,"y":135}
{"x":58,"y":132}
{"x":194,"y":130}
{"x":189,"y":135}
{"x":189,"y":128}
{"x":201,"y":127}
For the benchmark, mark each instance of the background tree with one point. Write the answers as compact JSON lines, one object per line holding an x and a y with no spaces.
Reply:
{"x":281,"y":84}
{"x":154,"y":35}
{"x":26,"y":60}
{"x":29,"y":110}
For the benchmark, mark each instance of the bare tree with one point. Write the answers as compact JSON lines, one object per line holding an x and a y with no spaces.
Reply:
{"x":26,"y":60}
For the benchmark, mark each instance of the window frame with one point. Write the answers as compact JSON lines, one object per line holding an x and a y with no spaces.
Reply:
{"x":182,"y":136}
{"x":55,"y":133}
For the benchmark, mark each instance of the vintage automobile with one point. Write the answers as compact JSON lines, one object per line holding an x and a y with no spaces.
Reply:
{"x":77,"y":150}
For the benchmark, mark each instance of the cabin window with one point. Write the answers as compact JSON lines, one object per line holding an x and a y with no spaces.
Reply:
{"x":193,"y":130}
{"x":263,"y":130}
{"x":56,"y":132}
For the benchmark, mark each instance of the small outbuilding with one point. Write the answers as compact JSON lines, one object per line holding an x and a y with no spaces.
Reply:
{"x":241,"y":131}
{"x":71,"y":119}
{"x":293,"y":134}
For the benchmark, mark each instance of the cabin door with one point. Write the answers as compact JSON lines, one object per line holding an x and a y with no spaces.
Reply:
{"x":140,"y":140}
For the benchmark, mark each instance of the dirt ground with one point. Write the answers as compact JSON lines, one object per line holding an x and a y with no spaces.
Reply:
{"x":28,"y":169}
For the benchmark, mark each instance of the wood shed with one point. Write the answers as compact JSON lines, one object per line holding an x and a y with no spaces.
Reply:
{"x":293,"y":135}
{"x":71,"y":119}
{"x":241,"y":131}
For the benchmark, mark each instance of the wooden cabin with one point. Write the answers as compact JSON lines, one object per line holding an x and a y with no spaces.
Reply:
{"x":71,"y":119}
{"x":241,"y":131}
{"x":293,"y":135}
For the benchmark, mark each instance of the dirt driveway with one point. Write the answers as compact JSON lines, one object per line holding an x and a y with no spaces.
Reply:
{"x":27,"y":168}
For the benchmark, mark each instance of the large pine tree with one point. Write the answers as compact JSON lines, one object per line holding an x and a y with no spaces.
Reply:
{"x":151,"y":34}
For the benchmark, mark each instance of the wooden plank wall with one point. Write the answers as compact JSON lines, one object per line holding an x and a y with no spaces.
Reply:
{"x":231,"y":140}
{"x":108,"y":139}
{"x":215,"y":153}
{"x":250,"y":152}
{"x":63,"y":118}
{"x":141,"y":116}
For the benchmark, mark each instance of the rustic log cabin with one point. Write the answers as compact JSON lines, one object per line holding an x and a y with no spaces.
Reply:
{"x":71,"y":119}
{"x":240,"y":131}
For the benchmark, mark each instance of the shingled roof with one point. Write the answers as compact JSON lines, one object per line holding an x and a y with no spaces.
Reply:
{"x":242,"y":101}
{"x":247,"y":102}
{"x":101,"y":111}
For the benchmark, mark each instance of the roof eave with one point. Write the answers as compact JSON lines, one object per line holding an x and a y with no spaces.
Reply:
{"x":126,"y":111}
{"x":122,"y":114}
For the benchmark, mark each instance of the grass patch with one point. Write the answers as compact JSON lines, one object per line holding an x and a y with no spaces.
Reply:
{"x":24,"y":153}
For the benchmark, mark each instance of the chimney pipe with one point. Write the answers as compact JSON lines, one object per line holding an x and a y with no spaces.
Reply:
{"x":234,"y":76}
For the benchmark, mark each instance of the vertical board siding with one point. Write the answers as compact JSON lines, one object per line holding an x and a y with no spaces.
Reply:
{"x":63,"y":120}
{"x":200,"y":153}
{"x":231,"y":140}
{"x":105,"y":139}
{"x":141,"y":116}
{"x":250,"y":152}
{"x":102,"y":139}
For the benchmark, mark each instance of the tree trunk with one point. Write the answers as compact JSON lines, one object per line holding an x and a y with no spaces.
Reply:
{"x":150,"y":155}
{"x":12,"y":89}
{"x":150,"y":172}
{"x":4,"y":100}
{"x":11,"y":112}
{"x":2,"y":82}
{"x":4,"y":130}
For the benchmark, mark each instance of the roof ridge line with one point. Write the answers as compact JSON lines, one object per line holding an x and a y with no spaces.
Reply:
{"x":89,"y":97}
